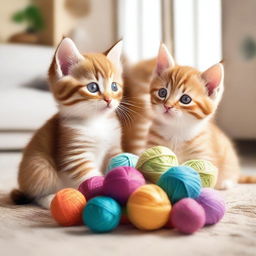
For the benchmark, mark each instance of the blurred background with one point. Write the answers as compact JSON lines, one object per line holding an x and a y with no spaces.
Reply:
{"x":198,"y":33}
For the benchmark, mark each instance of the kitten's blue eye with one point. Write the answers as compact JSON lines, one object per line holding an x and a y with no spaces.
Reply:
{"x":114,"y":87}
{"x":162,"y":93}
{"x":185,"y":99}
{"x":92,"y":87}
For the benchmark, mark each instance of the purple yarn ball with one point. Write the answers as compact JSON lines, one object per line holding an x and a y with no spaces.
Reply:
{"x":187,"y":216}
{"x":92,"y":187}
{"x":213,"y":204}
{"x":121,"y":181}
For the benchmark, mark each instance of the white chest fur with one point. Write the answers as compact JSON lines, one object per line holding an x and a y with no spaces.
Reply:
{"x":101,"y":133}
{"x":178,"y":130}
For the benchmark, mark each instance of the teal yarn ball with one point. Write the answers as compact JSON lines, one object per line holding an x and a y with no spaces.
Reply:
{"x":123,"y":159}
{"x":180,"y":182}
{"x":102,"y":214}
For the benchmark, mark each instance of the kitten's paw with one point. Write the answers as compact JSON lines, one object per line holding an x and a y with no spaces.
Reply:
{"x":226,"y":184}
{"x":45,"y":201}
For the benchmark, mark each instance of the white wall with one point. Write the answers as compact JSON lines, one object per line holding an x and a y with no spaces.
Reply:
{"x":97,"y":31}
{"x":237,"y":113}
{"x":7,"y":27}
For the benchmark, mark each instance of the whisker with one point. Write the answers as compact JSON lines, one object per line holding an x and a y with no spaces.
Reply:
{"x":135,"y":99}
{"x":126,"y":112}
{"x":124,"y":109}
{"x":128,"y":109}
{"x":126,"y":118}
{"x":133,"y":105}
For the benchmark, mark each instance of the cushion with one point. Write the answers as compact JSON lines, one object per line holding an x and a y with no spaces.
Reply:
{"x":20,"y":64}
{"x":25,"y":108}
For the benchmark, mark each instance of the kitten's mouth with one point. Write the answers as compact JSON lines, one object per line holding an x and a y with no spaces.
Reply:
{"x":168,"y":110}
{"x":107,"y":107}
{"x":168,"y":113}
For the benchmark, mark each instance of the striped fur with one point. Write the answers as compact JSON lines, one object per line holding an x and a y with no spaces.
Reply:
{"x":137,"y":101}
{"x":188,"y":129}
{"x":76,"y":143}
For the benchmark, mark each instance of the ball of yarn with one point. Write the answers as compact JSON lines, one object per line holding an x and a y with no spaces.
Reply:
{"x":124,"y":159}
{"x":102,"y":214}
{"x":155,"y":161}
{"x":187,"y":216}
{"x":92,"y":187}
{"x":207,"y":171}
{"x":120,"y":182}
{"x":148,"y":207}
{"x":180,"y":182}
{"x":67,"y":207}
{"x":213,"y":204}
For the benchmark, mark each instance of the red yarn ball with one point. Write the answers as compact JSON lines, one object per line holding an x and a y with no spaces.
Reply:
{"x":187,"y":216}
{"x":121,"y":181}
{"x":124,"y":218}
{"x":92,"y":187}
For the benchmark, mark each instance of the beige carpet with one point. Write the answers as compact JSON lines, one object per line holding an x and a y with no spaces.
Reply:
{"x":31,"y":231}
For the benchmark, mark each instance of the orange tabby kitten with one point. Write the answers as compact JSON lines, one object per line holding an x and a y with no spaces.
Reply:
{"x":184,"y":102}
{"x":75,"y":143}
{"x":137,"y":107}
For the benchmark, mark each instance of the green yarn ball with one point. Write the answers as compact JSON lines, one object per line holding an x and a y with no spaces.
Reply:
{"x":207,"y":171}
{"x":123,"y":159}
{"x":155,"y":161}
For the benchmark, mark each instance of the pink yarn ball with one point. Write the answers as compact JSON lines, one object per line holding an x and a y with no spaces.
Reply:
{"x":92,"y":187}
{"x":121,"y":181}
{"x":187,"y":216}
{"x":213,"y":204}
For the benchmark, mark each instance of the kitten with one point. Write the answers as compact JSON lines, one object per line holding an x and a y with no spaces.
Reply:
{"x":184,"y":102}
{"x":181,"y":113}
{"x":75,"y":143}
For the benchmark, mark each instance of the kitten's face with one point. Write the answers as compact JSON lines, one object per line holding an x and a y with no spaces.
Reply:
{"x":86,"y":85}
{"x":183,"y":94}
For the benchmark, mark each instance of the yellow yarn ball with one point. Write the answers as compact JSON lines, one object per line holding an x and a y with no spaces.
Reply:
{"x":155,"y":161}
{"x":207,"y":171}
{"x":148,"y":207}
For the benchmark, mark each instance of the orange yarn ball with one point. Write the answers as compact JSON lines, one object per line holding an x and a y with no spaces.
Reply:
{"x":149,"y":207}
{"x":67,"y":207}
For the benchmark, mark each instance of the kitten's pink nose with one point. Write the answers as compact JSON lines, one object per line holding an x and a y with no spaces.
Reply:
{"x":167,"y":108}
{"x":108,"y":100}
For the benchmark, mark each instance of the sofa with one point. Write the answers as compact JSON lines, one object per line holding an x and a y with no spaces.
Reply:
{"x":25,"y":100}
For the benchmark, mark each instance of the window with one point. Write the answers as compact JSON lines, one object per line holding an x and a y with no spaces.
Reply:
{"x":192,"y":28}
{"x":140,"y":27}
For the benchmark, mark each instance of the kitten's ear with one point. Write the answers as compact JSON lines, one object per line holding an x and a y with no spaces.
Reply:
{"x":114,"y":55}
{"x":66,"y":56}
{"x":213,"y":78}
{"x":164,"y":60}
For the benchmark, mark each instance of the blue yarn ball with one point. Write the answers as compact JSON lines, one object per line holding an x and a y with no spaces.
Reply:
{"x":102,"y":214}
{"x":123,"y":159}
{"x":180,"y":182}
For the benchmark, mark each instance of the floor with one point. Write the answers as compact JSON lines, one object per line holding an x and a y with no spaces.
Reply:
{"x":31,"y":231}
